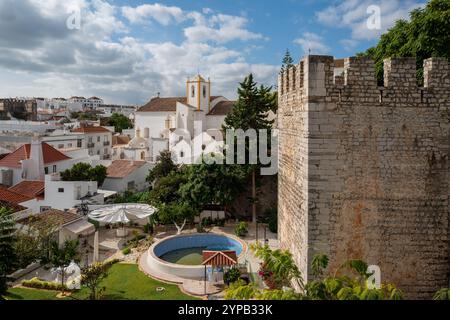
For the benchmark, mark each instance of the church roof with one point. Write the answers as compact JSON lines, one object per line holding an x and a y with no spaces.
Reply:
{"x":223,"y":108}
{"x":165,"y":104}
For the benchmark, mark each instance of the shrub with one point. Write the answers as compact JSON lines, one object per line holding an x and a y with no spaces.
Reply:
{"x":241,"y":229}
{"x":272,"y":220}
{"x":220,"y":222}
{"x":231,"y":276}
{"x":37,"y":283}
{"x":126,"y":251}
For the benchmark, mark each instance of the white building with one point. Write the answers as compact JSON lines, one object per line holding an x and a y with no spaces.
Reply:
{"x":127,"y":175}
{"x":98,"y":141}
{"x":162,"y":117}
{"x":109,"y":109}
{"x":90,"y":103}
{"x":31,"y":162}
{"x":53,"y":193}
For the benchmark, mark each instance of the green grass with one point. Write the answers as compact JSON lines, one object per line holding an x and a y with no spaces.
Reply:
{"x":124,"y":282}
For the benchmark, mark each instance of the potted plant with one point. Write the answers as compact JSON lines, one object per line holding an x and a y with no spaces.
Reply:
{"x":241,"y":229}
{"x":231,"y":276}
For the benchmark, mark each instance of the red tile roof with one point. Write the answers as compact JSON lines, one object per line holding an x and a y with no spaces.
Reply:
{"x":55,"y":217}
{"x":223,"y":108}
{"x":91,"y":130}
{"x":122,"y":168}
{"x":31,"y":189}
{"x":11,"y":206}
{"x":50,"y":154}
{"x":165,"y":104}
{"x":12,"y":197}
{"x":219,"y":258}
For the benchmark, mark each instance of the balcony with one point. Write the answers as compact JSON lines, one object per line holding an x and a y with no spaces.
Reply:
{"x":106,"y":143}
{"x":91,"y":145}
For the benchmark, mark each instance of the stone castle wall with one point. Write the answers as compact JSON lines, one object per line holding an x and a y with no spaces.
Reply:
{"x":364,"y":170}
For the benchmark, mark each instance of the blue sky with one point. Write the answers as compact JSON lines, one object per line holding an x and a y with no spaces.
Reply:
{"x":126,"y":51}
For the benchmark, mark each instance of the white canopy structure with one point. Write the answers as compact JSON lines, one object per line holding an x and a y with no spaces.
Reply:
{"x":122,"y":213}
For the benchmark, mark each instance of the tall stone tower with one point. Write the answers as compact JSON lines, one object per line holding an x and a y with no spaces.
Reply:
{"x":364,"y":170}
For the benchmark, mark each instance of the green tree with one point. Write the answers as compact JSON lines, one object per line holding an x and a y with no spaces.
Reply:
{"x":287,"y":61}
{"x":164,"y":166}
{"x":213,"y":184}
{"x":62,"y":256}
{"x":33,"y":241}
{"x":92,"y":277}
{"x":251,"y":112}
{"x":426,"y":35}
{"x":8,"y":257}
{"x":120,"y":122}
{"x":85,"y":172}
{"x":178,"y":213}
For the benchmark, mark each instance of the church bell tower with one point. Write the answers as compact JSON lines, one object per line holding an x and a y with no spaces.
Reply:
{"x":198,"y":93}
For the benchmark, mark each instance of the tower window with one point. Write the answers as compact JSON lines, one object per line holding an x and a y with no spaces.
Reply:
{"x":204,"y":91}
{"x":193,"y":91}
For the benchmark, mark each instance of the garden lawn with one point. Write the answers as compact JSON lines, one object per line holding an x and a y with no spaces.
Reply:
{"x":124,"y":282}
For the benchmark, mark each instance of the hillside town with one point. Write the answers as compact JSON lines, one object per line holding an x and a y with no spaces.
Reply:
{"x":319,"y":178}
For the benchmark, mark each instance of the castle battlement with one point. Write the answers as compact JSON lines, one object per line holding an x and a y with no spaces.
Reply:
{"x":319,"y":72}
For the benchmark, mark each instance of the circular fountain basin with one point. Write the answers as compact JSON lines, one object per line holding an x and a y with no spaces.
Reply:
{"x":181,"y":256}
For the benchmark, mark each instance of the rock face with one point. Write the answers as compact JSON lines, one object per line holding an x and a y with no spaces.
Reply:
{"x":364,"y":171}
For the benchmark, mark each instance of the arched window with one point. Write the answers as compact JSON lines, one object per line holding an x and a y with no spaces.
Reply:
{"x":142,"y":155}
{"x":193,"y":91}
{"x":204,"y":91}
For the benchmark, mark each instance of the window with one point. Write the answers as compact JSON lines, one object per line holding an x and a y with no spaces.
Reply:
{"x":79,"y":143}
{"x":69,"y":145}
{"x":203,"y":147}
{"x":98,"y":139}
{"x":61,"y":190}
{"x":98,"y":152}
{"x":130,"y":185}
{"x":204,"y":91}
{"x":105,"y":151}
{"x":181,"y":154}
{"x":46,"y":170}
{"x":193,"y":91}
{"x":54,"y":168}
{"x":60,"y":146}
{"x":44,"y":208}
{"x":90,"y":140}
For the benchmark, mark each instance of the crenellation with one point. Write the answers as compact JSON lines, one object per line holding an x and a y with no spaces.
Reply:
{"x":365,"y":171}
{"x":436,"y":72}
{"x":400,"y":73}
{"x":359,"y":71}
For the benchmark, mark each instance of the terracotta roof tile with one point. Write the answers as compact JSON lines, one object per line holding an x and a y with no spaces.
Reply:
{"x":30,"y":189}
{"x":165,"y":104}
{"x":223,"y":108}
{"x":219,"y":258}
{"x":57,"y":217}
{"x":50,"y":154}
{"x":13,"y":207}
{"x":91,"y":130}
{"x":12,"y":197}
{"x":122,"y":168}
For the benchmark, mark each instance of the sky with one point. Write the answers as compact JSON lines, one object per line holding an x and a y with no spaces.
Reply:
{"x":128,"y":51}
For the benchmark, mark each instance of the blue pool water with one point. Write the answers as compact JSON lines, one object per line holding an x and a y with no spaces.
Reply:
{"x":188,"y":250}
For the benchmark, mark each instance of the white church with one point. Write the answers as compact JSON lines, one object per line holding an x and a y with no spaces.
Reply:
{"x":180,"y":123}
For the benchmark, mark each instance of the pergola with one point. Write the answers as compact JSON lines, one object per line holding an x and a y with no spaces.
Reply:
{"x":218,"y":259}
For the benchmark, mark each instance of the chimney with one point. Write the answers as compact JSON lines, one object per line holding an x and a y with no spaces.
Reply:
{"x":36,"y":169}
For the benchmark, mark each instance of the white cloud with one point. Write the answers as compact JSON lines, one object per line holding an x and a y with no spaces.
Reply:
{"x":165,"y":15}
{"x":220,"y":28}
{"x":353,"y":14}
{"x":312,"y":43}
{"x":39,"y":56}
